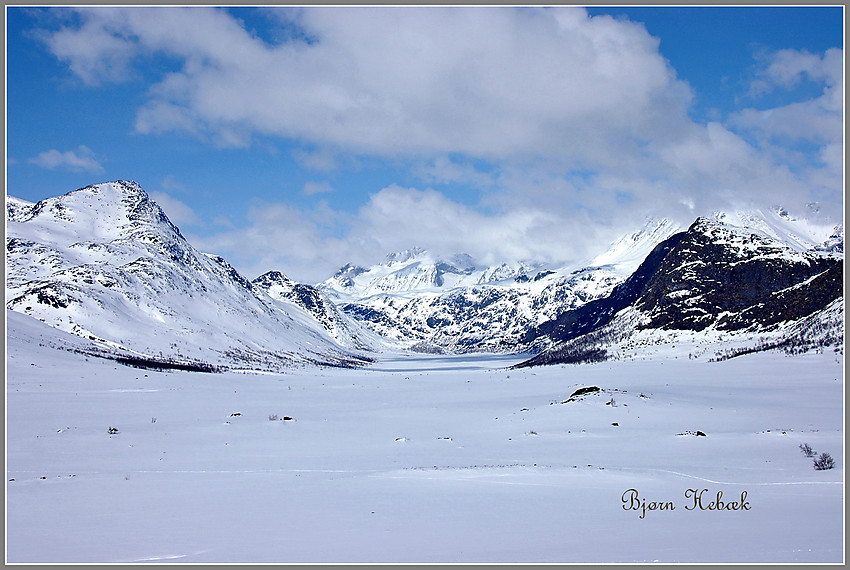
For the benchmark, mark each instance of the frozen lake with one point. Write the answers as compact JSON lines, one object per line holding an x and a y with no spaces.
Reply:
{"x":423,"y":459}
{"x":444,"y":363}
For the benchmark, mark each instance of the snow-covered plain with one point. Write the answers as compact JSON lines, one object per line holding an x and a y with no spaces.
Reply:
{"x":420,"y":459}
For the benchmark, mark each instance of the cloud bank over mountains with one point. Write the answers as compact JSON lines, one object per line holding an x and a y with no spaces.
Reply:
{"x":557,"y":119}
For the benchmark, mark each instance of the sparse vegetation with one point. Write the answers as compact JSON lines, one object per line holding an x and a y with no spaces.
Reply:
{"x":824,"y":462}
{"x":761,"y":346}
{"x":807,"y":450}
{"x":568,"y":355}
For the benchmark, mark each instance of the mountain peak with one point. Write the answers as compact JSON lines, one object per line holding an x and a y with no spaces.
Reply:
{"x":127,"y":191}
{"x":110,"y":210}
{"x":406,"y":255}
{"x":631,"y":249}
{"x":803,"y":232}
{"x":126,"y":186}
{"x":17,"y":209}
{"x":270,"y":277}
{"x":104,"y":263}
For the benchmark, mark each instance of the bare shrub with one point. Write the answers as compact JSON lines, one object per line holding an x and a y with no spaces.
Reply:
{"x":824,"y":462}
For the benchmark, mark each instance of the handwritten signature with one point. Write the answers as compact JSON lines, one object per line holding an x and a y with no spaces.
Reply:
{"x":695,"y":499}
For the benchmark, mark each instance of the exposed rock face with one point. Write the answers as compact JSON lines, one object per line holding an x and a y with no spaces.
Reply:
{"x":718,"y":277}
{"x":415,"y":297}
{"x":309,"y":298}
{"x":599,"y":312}
{"x":710,"y":277}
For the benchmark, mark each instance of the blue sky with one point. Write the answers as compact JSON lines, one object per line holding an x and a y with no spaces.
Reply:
{"x":302,"y":139}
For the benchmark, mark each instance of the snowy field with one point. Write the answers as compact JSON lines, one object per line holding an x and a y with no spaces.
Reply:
{"x":425,"y":459}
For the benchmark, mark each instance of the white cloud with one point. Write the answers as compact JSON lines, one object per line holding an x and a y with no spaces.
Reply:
{"x":490,"y":82}
{"x":309,"y":245}
{"x":783,"y":133}
{"x":95,"y":52}
{"x":443,"y":170}
{"x":787,"y":67}
{"x":82,"y":159}
{"x":820,"y":119}
{"x":551,"y":88}
{"x":278,"y":236}
{"x":561,"y":120}
{"x":178,"y":212}
{"x":399,"y":217}
{"x":170,"y":182}
{"x":813,"y":120}
{"x":311,"y":188}
{"x":223,"y":221}
{"x":322,"y":160}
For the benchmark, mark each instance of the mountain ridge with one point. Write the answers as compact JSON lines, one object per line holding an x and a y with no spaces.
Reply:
{"x":510,"y":308}
{"x":709,"y":278}
{"x":105,"y":263}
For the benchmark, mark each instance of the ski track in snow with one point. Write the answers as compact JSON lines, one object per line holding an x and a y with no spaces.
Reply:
{"x":714,"y":482}
{"x":163,"y":557}
{"x":159,"y":558}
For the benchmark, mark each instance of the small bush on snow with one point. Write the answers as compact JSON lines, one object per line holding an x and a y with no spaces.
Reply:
{"x":824,"y":462}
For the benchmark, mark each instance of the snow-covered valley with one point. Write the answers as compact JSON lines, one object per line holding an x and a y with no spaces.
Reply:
{"x":369,"y":418}
{"x":424,"y":285}
{"x":421,"y":459}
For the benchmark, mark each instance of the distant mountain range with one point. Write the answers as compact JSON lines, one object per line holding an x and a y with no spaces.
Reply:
{"x":106,"y":264}
{"x":751,"y":257}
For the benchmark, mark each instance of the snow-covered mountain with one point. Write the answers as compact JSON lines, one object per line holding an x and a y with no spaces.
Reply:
{"x":454,"y":305}
{"x":106,"y":264}
{"x":299,"y":296}
{"x":417,"y":272}
{"x":712,"y":280}
{"x":798,"y":233}
{"x":413,"y":271}
{"x":631,"y":249}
